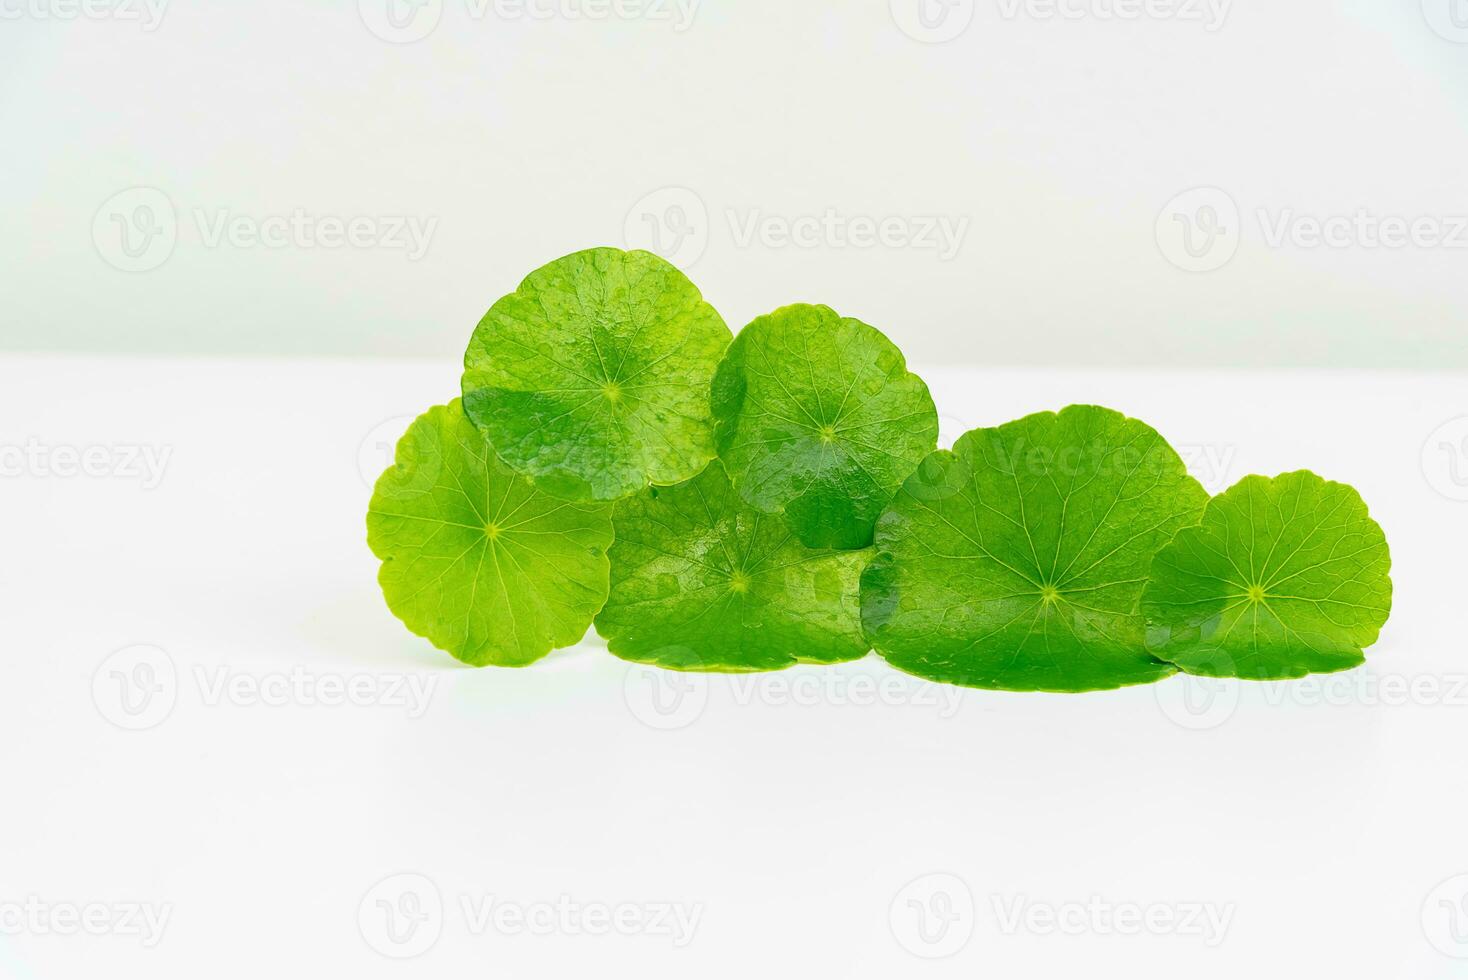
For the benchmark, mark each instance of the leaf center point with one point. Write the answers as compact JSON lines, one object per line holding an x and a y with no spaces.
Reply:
{"x":492,"y":530}
{"x":827,"y":434}
{"x":1049,"y":594}
{"x":1255,"y":593}
{"x":739,"y":582}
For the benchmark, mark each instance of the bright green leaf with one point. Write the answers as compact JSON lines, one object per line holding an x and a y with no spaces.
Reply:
{"x":1283,"y":578}
{"x":701,"y":581}
{"x":819,"y":419}
{"x":476,"y":559}
{"x":592,"y":378}
{"x":1015,"y":562}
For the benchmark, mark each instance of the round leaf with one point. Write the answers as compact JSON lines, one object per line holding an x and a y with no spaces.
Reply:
{"x":592,"y":378}
{"x":819,"y":419}
{"x":1283,"y":578}
{"x":701,"y":581}
{"x":1015,"y":562}
{"x":476,"y":559}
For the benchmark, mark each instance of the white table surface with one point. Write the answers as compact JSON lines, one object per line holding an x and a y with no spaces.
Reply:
{"x":789,"y":819}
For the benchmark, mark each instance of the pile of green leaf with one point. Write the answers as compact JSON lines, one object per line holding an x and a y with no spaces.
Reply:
{"x":741,"y":504}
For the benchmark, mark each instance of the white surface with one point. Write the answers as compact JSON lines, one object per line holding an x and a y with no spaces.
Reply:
{"x":791,"y":824}
{"x":1054,"y":137}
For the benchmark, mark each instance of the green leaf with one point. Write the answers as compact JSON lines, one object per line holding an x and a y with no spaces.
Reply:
{"x":1283,"y":578}
{"x":1015,"y":562}
{"x":476,"y":559}
{"x":819,"y":419}
{"x":702,"y":582}
{"x":592,"y":378}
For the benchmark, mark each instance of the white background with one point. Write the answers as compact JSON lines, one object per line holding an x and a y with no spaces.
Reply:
{"x":1058,"y":143}
{"x":181,"y":525}
{"x":1321,"y":819}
